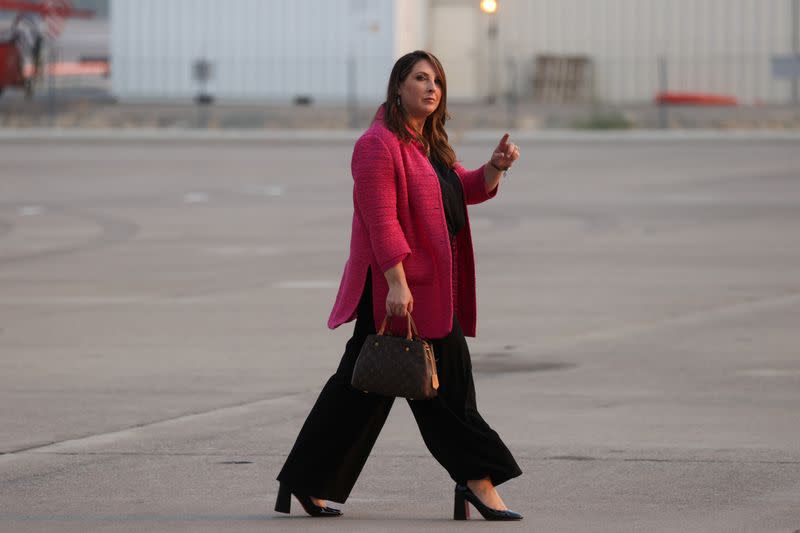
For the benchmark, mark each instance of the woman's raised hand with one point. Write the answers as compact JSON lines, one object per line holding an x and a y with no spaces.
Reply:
{"x":505,"y":154}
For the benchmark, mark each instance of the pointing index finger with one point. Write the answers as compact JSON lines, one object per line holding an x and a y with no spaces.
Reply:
{"x":503,"y":142}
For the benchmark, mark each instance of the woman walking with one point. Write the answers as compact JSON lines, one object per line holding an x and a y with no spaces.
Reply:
{"x":410,"y":252}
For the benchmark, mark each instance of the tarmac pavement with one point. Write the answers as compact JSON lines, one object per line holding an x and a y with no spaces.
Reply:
{"x":162,"y":335}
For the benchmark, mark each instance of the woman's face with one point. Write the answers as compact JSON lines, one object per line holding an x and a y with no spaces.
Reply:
{"x":421,"y":91}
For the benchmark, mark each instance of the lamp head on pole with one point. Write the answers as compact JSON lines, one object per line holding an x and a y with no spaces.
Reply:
{"x":489,"y":6}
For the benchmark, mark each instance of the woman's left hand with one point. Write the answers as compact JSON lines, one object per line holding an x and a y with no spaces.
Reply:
{"x":505,"y":154}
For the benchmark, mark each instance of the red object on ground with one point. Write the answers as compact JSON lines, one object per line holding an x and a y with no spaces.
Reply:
{"x":15,"y":71}
{"x":81,"y":68}
{"x":675,"y":98}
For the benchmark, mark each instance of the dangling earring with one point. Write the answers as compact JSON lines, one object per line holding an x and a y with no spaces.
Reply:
{"x":398,"y":101}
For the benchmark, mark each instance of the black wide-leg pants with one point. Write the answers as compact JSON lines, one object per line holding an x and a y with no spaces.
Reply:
{"x":344,"y":423}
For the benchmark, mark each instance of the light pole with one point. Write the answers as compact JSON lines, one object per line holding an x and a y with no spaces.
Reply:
{"x":490,"y":8}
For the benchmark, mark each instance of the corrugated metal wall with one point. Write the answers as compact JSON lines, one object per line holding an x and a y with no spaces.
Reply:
{"x":278,"y":49}
{"x":260,"y":49}
{"x":721,"y":46}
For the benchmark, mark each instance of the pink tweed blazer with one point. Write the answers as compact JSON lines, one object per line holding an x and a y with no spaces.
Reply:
{"x":398,"y":216}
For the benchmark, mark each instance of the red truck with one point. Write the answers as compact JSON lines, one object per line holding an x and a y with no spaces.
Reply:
{"x":21,"y":44}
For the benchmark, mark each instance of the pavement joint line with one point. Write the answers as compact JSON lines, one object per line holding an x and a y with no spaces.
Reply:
{"x":701,"y":316}
{"x":87,"y":439}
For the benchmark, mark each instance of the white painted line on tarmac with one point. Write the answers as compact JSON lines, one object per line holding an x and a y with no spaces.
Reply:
{"x":31,"y":210}
{"x":274,"y":191}
{"x":307,"y":284}
{"x":265,"y":190}
{"x":244,"y":250}
{"x":195,"y":198}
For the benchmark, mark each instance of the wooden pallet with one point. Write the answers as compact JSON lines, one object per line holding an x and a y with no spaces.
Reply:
{"x":563,"y":79}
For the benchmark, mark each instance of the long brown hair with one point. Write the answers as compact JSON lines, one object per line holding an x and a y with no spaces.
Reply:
{"x":434,"y":136}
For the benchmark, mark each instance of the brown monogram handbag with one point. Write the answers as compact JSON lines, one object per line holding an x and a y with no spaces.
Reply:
{"x":396,"y":366}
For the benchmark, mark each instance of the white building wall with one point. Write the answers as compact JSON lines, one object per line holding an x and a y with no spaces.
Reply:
{"x":260,"y":49}
{"x":411,"y":25}
{"x":720,"y":46}
{"x":278,"y":49}
{"x":454,"y":40}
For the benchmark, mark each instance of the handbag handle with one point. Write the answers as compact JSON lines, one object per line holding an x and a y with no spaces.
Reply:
{"x":411,"y":331}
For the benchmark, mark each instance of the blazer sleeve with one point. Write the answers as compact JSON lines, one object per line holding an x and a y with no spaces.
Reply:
{"x":375,"y":198}
{"x":474,"y":184}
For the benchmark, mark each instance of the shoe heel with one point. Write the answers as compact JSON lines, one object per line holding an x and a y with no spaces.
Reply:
{"x":460,"y":508}
{"x":283,"y":504}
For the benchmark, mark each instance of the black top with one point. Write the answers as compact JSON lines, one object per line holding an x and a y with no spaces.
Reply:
{"x":455,"y":212}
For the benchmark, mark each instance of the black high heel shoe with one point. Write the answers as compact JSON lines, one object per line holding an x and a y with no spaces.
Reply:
{"x":284,"y":504}
{"x":461,"y":507}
